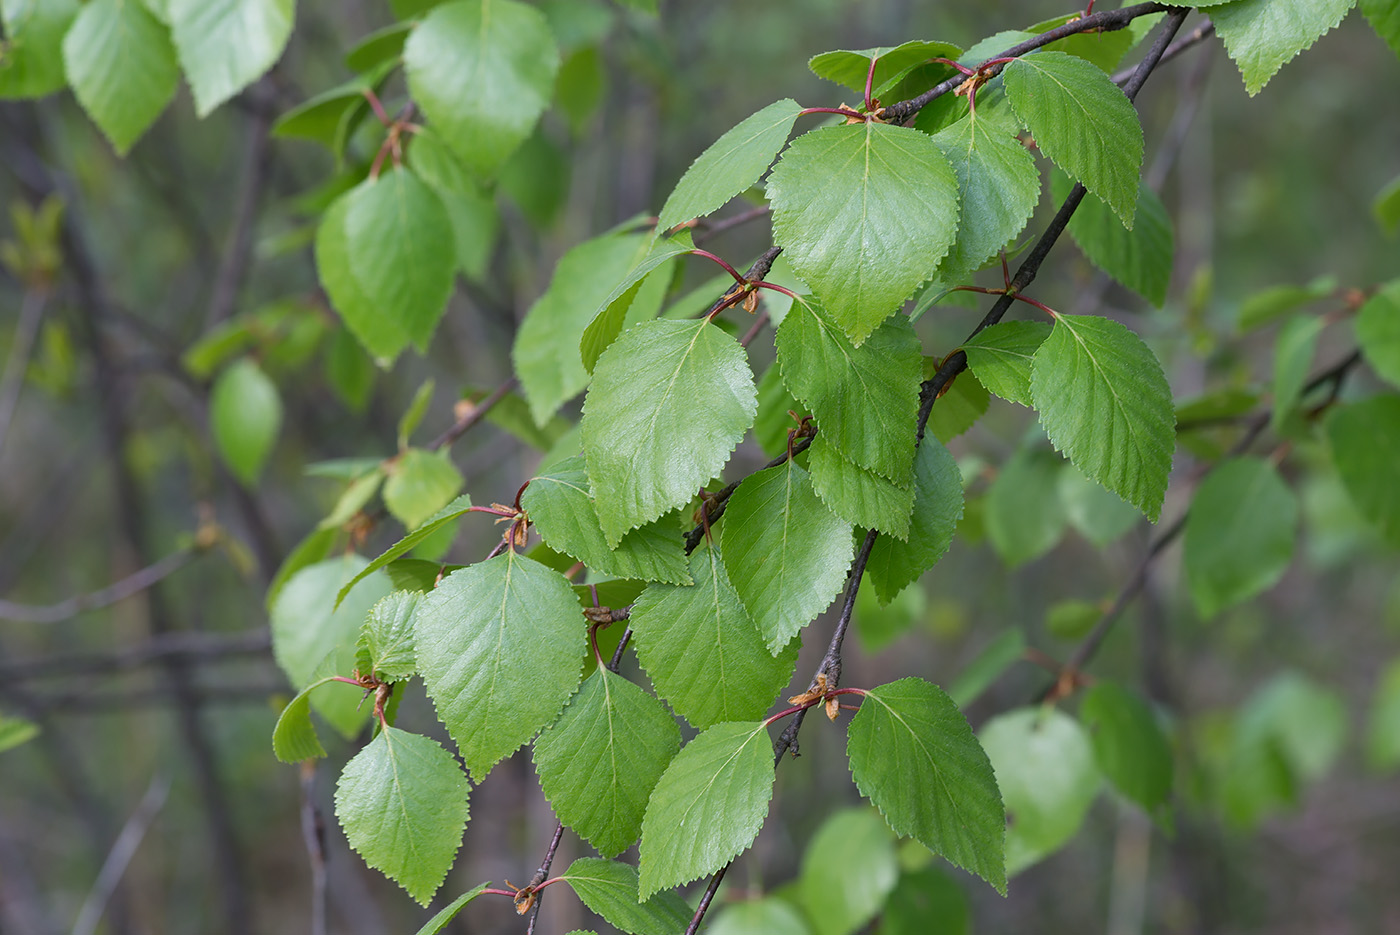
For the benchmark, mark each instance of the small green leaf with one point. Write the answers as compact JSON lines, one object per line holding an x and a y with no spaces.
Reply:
{"x":385,"y":646}
{"x":441,"y":518}
{"x":914,"y":756}
{"x":1128,"y":743}
{"x":1082,"y":121}
{"x":417,"y":409}
{"x":1099,"y":515}
{"x":731,"y":165}
{"x":225,"y":45}
{"x":851,"y":68}
{"x":1272,"y":303}
{"x":1293,"y":355}
{"x":381,"y":335}
{"x":1105,"y":403}
{"x":1386,"y":207}
{"x":1384,"y":17}
{"x":1000,"y":357}
{"x":382,"y":47}
{"x":848,"y":869}
{"x":121,"y":65}
{"x":32,"y":61}
{"x":1378,"y":332}
{"x":1383,"y":724}
{"x":1139,"y":259}
{"x":420,"y":484}
{"x":771,"y":915}
{"x":323,"y":118}
{"x":963,"y":402}
{"x":938,"y":505}
{"x":701,"y":650}
{"x":1024,"y":515}
{"x":1365,"y":439}
{"x":669,"y":402}
{"x":609,"y":888}
{"x":988,"y":666}
{"x":858,"y":496}
{"x":483,"y":72}
{"x":1262,"y":35}
{"x":599,"y":762}
{"x":15,"y":731}
{"x":245,"y":415}
{"x":475,"y":632}
{"x":449,"y":912}
{"x":403,"y":804}
{"x":717,"y":790}
{"x":294,"y":737}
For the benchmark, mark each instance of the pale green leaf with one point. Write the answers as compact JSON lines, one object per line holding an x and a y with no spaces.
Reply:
{"x":121,"y":64}
{"x":225,"y":45}
{"x":15,"y":731}
{"x":731,"y":165}
{"x":417,"y":409}
{"x":245,"y":415}
{"x":1023,"y":513}
{"x":938,"y":505}
{"x":848,"y":869}
{"x":1129,"y":745}
{"x":864,"y":213}
{"x":1099,"y":515}
{"x":323,"y":118}
{"x":708,"y":806}
{"x":701,"y":650}
{"x":858,"y":496}
{"x":1105,"y":403}
{"x":381,"y":335}
{"x":1378,"y":332}
{"x":483,"y":72}
{"x":476,"y":630}
{"x":1383,"y":723}
{"x":609,"y":888}
{"x":1262,"y":35}
{"x":31,"y":62}
{"x":385,"y":646}
{"x":914,"y":756}
{"x":1000,"y":357}
{"x":771,"y":915}
{"x":1072,"y":619}
{"x":615,"y":312}
{"x":317,"y":545}
{"x":402,"y":801}
{"x":437,"y":521}
{"x":420,"y":484}
{"x":294,"y":736}
{"x":1384,"y":17}
{"x":1386,"y":207}
{"x":988,"y":666}
{"x":449,"y":912}
{"x":851,"y":68}
{"x":1365,"y":439}
{"x":1293,"y":356}
{"x":668,"y":404}
{"x":381,"y":47}
{"x":1274,"y":302}
{"x":599,"y":762}
{"x":1141,"y":258}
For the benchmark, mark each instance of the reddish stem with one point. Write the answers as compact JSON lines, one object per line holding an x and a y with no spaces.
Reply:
{"x":1015,"y":295}
{"x":377,"y":107}
{"x":777,"y":288}
{"x":826,"y":110}
{"x":869,"y":82}
{"x":733,"y":299}
{"x":495,"y":892}
{"x":492,"y":510}
{"x":727,"y":268}
{"x":959,"y":66}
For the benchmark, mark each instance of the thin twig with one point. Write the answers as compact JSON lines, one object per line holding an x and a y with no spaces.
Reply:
{"x":132,"y":833}
{"x":542,"y":874}
{"x":313,"y":834}
{"x":707,"y":229}
{"x":472,"y":416}
{"x":132,"y":584}
{"x":31,"y":315}
{"x":233,"y":270}
{"x":1193,"y":38}
{"x":191,"y":648}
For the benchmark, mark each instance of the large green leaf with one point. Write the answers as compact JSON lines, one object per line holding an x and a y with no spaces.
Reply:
{"x":599,"y":762}
{"x":1023,"y":514}
{"x":435,"y":523}
{"x":385,"y":647}
{"x":914,"y":756}
{"x":609,"y":888}
{"x":669,"y":402}
{"x":1000,"y":357}
{"x":864,"y":398}
{"x":701,"y":650}
{"x":731,"y":164}
{"x":245,"y":415}
{"x":848,"y":869}
{"x":858,"y":496}
{"x":421,"y":483}
{"x":852,"y":68}
{"x":1378,"y":332}
{"x":1105,"y":403}
{"x":500,"y":646}
{"x":708,"y":806}
{"x":1365,"y":439}
{"x":483,"y":72}
{"x":31,"y":64}
{"x":864,"y":213}
{"x":1045,"y":768}
{"x":787,"y":553}
{"x":1129,"y":745}
{"x":225,"y":45}
{"x":1141,"y":258}
{"x":121,"y":65}
{"x":1384,"y":17}
{"x":938,"y":505}
{"x":1082,"y":121}
{"x":382,"y":336}
{"x":402,"y":801}
{"x":1262,"y":35}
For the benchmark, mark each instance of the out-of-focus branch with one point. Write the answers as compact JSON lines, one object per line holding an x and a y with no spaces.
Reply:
{"x":190,"y":648}
{"x":132,"y":833}
{"x":31,"y":315}
{"x":129,"y":586}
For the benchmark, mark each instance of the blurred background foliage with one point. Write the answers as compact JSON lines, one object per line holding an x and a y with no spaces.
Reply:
{"x":1286,"y":815}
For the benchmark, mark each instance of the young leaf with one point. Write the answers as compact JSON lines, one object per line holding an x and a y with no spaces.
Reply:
{"x":858,"y":496}
{"x":1128,"y":743}
{"x":121,"y":65}
{"x":483,"y":72}
{"x":731,"y":165}
{"x":500,"y":646}
{"x":599,"y":762}
{"x":1384,"y":17}
{"x":708,"y":806}
{"x":938,"y":505}
{"x":864,"y":212}
{"x":402,"y":801}
{"x":381,"y":335}
{"x":225,"y":45}
{"x":441,"y":518}
{"x":1273,"y":303}
{"x":1000,"y":358}
{"x":1045,"y":768}
{"x":32,"y":63}
{"x":1105,"y":403}
{"x":848,"y":869}
{"x":1024,"y":516}
{"x":616,"y":311}
{"x":420,"y":484}
{"x":385,"y":646}
{"x":851,"y":68}
{"x":245,"y":415}
{"x":417,"y":409}
{"x":559,"y":505}
{"x":294,"y":737}
{"x":15,"y":731}
{"x":1365,"y":439}
{"x":670,"y":401}
{"x":914,"y":756}
{"x":1082,"y":121}
{"x":701,"y":650}
{"x":1239,"y":534}
{"x":1386,"y":206}
{"x":1140,"y":258}
{"x":787,"y":553}
{"x":1378,"y":332}
{"x":1293,"y":356}
{"x":1262,"y":35}
{"x":449,"y":912}
{"x":324,"y":117}
{"x":864,"y":398}
{"x":609,"y":888}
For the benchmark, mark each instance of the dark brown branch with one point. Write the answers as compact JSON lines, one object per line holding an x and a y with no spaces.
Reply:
{"x":190,"y":648}
{"x":758,"y":270}
{"x":542,"y":874}
{"x":718,"y":501}
{"x":129,"y":586}
{"x":473,"y":415}
{"x":705,"y":900}
{"x":31,"y":315}
{"x":233,"y":270}
{"x":707,"y":229}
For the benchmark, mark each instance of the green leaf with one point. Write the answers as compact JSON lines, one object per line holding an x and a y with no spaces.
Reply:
{"x":865,"y":399}
{"x":1365,"y":440}
{"x":1083,"y":122}
{"x":1099,"y":515}
{"x":1386,"y":207}
{"x":1045,"y":767}
{"x":859,"y":496}
{"x":1276,"y":301}
{"x":988,"y":666}
{"x":998,"y":187}
{"x":668,"y":404}
{"x":121,"y":65}
{"x":963,"y":402}
{"x":615,"y":312}
{"x":483,"y":72}
{"x":717,"y":790}
{"x":441,"y":518}
{"x":1072,"y":619}
{"x":926,"y":902}
{"x":449,"y":912}
{"x":787,"y":553}
{"x":420,"y":484}
{"x":1104,"y":49}
{"x":609,"y":888}
{"x":848,"y":869}
{"x":1262,"y":35}
{"x":851,"y":68}
{"x":1024,"y":515}
{"x":381,"y":335}
{"x":382,"y":47}
{"x":701,"y":650}
{"x":1139,"y":259}
{"x":1383,"y":724}
{"x":403,"y":804}
{"x":1293,"y":355}
{"x":562,"y":510}
{"x":771,"y":426}
{"x":294,"y":737}
{"x":31,"y":64}
{"x":1000,"y":357}
{"x":225,"y":45}
{"x":599,"y":762}
{"x":1384,"y":17}
{"x":731,"y":165}
{"x":318,"y":545}
{"x":938,"y":505}
{"x":546,"y":349}
{"x":914,"y":756}
{"x":15,"y":731}
{"x":1378,"y":332}
{"x":417,"y":408}
{"x":245,"y":415}
{"x":579,"y":87}
{"x":324,"y":118}
{"x":1128,"y":743}
{"x":474,"y":633}
{"x":1105,"y":403}
{"x":385,"y":646}
{"x":311,"y":636}
{"x":864,"y":213}
{"x":771,"y":915}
